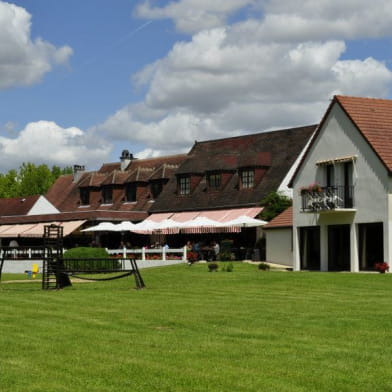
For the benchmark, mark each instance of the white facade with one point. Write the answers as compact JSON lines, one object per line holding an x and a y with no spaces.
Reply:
{"x":43,"y":206}
{"x":354,"y":165}
{"x":279,"y":246}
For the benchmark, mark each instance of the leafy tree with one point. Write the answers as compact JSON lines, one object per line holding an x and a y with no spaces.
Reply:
{"x":274,"y":203}
{"x":30,"y":179}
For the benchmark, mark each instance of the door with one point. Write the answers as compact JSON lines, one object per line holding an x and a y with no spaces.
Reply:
{"x":310,"y":248}
{"x":339,"y":248}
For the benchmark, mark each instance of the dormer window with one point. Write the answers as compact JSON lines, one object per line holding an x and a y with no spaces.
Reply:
{"x":130,"y":192}
{"x":247,"y":178}
{"x":214,"y":180}
{"x":156,"y":188}
{"x":84,"y":196}
{"x":107,"y":195}
{"x":184,"y":185}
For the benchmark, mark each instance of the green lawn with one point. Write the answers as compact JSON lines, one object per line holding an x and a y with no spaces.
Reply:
{"x":192,"y":330}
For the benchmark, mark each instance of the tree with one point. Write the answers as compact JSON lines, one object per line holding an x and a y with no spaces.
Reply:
{"x":29,"y":180}
{"x":274,"y":203}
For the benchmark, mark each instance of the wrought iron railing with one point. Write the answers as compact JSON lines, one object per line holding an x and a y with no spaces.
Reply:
{"x":328,"y":198}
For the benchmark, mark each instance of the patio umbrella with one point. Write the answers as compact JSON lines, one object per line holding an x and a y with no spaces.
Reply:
{"x":199,"y":224}
{"x":244,"y":221}
{"x":168,"y":226}
{"x":125,"y":226}
{"x":103,"y":226}
{"x":144,"y":227}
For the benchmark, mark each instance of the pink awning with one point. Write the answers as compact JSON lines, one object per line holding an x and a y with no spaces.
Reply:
{"x":36,"y":229}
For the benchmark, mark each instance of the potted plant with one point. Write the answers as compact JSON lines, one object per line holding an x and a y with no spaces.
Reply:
{"x":382,"y":267}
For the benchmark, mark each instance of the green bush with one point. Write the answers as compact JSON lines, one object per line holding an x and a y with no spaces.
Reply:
{"x":228,"y":268}
{"x":90,"y":259}
{"x":264,"y":267}
{"x":213,"y":267}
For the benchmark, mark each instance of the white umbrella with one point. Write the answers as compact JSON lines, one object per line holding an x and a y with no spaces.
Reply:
{"x":200,"y":221}
{"x":146,"y":226}
{"x":125,"y":226}
{"x":244,"y":221}
{"x":103,"y":226}
{"x":200,"y":224}
{"x":168,"y":224}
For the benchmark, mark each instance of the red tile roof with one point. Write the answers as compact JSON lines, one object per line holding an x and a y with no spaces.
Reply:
{"x":17,"y":205}
{"x":373,"y":118}
{"x":285,"y":219}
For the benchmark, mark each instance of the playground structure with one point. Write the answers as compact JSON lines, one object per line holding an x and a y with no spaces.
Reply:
{"x":57,"y":270}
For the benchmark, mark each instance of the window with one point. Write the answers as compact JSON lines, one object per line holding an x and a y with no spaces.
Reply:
{"x":184,"y":185}
{"x":130,"y":192}
{"x":156,"y":188}
{"x":214,"y":180}
{"x":84,"y":196}
{"x":247,"y":178}
{"x":330,"y":172}
{"x":107,"y":195}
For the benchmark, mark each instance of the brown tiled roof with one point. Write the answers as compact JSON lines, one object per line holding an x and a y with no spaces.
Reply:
{"x":373,"y":118}
{"x":17,"y":205}
{"x":275,"y":151}
{"x":65,"y":192}
{"x":285,"y":219}
{"x":76,"y":215}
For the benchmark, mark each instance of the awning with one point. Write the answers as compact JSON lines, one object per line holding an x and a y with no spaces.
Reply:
{"x":332,"y":161}
{"x":37,"y":229}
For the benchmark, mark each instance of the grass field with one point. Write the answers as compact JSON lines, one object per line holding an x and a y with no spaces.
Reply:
{"x":192,"y":330}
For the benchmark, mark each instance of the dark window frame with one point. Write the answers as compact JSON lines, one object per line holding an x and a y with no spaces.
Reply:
{"x":247,"y":176}
{"x":214,"y":180}
{"x":84,"y":194}
{"x":107,"y":195}
{"x":184,"y":185}
{"x":130,"y":192}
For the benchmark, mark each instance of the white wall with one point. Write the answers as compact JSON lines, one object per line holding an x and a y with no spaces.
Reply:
{"x":338,"y":138}
{"x":279,"y":246}
{"x":43,"y":206}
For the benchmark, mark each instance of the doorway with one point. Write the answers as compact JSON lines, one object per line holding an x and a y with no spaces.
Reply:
{"x":370,"y":245}
{"x":339,"y":248}
{"x":310,"y":248}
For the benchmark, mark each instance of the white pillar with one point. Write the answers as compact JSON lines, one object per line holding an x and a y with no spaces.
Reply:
{"x":354,"y":260}
{"x":143,"y":253}
{"x":323,"y":248}
{"x":296,"y":251}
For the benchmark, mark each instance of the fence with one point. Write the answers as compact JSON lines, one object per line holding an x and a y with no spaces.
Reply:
{"x":143,"y":254}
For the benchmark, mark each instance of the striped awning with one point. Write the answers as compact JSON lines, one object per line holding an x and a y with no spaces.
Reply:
{"x":37,"y":229}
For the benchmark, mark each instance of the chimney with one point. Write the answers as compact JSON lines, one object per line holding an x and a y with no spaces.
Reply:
{"x":77,"y":171}
{"x":126,"y":158}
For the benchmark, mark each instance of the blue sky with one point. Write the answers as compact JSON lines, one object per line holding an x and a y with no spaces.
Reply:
{"x":82,"y":80}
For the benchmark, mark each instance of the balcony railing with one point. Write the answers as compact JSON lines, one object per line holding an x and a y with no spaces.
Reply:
{"x":328,"y":198}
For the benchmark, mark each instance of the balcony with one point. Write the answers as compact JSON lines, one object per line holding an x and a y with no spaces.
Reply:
{"x":328,"y":198}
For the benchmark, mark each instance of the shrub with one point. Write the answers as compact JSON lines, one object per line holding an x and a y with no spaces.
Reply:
{"x":228,"y":268}
{"x":264,"y":267}
{"x":212,"y":267}
{"x":90,"y":259}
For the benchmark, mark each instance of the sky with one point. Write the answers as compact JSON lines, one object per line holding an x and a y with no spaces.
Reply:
{"x":80,"y":81}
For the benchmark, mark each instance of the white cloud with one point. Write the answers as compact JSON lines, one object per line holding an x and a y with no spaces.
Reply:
{"x":277,"y":69}
{"x":191,"y":16}
{"x":47,"y":142}
{"x":24,"y":61}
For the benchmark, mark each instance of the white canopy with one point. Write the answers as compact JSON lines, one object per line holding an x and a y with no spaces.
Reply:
{"x":244,"y":221}
{"x":200,"y":221}
{"x":125,"y":226}
{"x":103,"y":226}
